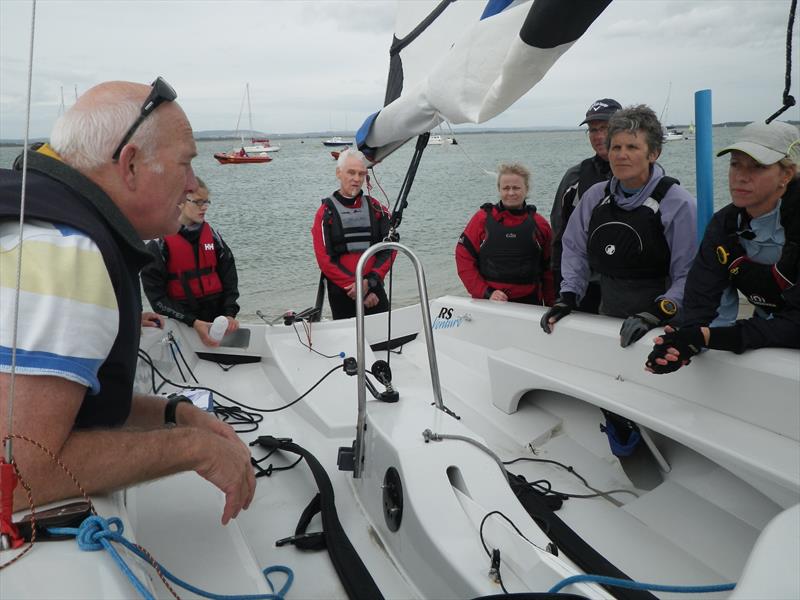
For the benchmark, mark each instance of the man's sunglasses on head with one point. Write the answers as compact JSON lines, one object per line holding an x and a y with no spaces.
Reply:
{"x":160,"y":92}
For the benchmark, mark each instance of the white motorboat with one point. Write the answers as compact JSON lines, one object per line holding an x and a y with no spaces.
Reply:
{"x":261,"y":145}
{"x":337,"y":141}
{"x":673,"y":135}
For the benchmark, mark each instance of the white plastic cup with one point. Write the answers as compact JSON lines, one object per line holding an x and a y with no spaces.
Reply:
{"x":218,"y":328}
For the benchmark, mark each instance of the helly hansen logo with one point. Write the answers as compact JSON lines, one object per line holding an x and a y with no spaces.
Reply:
{"x":209,"y":247}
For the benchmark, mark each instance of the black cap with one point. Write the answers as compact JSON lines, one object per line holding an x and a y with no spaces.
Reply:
{"x":601,"y":110}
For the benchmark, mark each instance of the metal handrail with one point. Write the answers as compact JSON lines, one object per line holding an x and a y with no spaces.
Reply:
{"x":360,"y":346}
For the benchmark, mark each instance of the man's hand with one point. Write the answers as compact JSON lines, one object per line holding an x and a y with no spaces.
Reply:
{"x":564,"y":305}
{"x":675,"y":348}
{"x":499,"y":296}
{"x":226,"y":464}
{"x":202,"y":327}
{"x":238,"y":494}
{"x":351,"y":289}
{"x":371,"y":300}
{"x":151,"y":319}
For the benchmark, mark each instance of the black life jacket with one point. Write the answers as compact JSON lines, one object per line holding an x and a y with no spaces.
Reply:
{"x":630,"y":244}
{"x":352,"y":229}
{"x":592,"y":170}
{"x":764,"y":284}
{"x":510,"y":254}
{"x":56,"y":193}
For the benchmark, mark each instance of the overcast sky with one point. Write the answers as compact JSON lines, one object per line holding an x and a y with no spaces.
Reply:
{"x":320,"y":65}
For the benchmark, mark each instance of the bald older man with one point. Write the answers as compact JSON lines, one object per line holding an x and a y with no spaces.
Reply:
{"x":118,"y":165}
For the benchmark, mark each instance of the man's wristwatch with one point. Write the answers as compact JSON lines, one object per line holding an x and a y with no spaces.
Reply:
{"x":170,"y":419}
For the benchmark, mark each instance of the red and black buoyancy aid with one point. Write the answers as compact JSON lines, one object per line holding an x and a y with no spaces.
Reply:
{"x":191,"y":276}
{"x":510,"y":254}
{"x":352,"y":229}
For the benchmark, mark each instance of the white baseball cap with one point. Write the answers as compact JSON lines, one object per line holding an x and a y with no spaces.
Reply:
{"x":767,"y":143}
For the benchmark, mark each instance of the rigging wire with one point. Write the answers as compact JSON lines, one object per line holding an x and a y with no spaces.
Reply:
{"x":572,"y":470}
{"x":464,"y":152}
{"x":788,"y":100}
{"x":15,"y":326}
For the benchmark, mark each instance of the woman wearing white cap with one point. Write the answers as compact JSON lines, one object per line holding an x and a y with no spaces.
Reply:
{"x":751,"y":246}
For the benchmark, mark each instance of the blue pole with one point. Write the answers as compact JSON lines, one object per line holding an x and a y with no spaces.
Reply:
{"x":704,"y":155}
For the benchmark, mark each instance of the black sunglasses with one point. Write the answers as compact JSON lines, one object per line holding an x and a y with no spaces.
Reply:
{"x":161,"y":92}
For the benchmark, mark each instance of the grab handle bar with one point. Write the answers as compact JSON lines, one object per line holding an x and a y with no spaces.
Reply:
{"x":360,"y":345}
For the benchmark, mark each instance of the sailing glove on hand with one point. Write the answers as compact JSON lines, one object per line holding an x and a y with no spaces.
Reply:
{"x":564,"y":305}
{"x":688,"y":341}
{"x":633,"y":328}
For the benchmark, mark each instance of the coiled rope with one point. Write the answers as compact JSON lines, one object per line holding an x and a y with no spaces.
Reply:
{"x":97,"y":533}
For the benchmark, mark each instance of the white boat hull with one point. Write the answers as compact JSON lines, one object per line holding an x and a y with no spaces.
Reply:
{"x":730,"y":464}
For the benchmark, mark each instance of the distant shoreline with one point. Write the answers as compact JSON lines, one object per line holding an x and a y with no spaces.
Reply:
{"x":202,"y":136}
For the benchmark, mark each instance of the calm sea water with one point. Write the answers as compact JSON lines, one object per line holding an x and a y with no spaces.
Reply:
{"x":264,"y":211}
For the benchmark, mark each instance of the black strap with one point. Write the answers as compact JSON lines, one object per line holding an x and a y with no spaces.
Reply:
{"x":355,"y":577}
{"x":301,"y":539}
{"x":662,"y":187}
{"x":569,"y":542}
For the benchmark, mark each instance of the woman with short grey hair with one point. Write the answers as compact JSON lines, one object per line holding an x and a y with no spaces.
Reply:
{"x":638,"y":231}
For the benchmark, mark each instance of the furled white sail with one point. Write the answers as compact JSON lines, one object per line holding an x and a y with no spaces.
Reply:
{"x":466,"y":62}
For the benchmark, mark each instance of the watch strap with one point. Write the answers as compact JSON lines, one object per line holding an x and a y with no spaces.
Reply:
{"x":171,"y":407}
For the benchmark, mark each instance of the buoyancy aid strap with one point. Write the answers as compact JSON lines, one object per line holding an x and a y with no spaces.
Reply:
{"x":355,"y":578}
{"x":662,"y":187}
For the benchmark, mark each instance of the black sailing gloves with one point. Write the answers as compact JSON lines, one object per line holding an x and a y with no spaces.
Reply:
{"x":564,"y":305}
{"x":634,"y":328}
{"x":688,"y":341}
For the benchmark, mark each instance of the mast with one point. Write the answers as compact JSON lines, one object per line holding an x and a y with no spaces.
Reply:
{"x":62,"y":109}
{"x":249,"y":109}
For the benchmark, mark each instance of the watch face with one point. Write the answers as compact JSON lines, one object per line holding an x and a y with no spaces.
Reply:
{"x":668,"y":307}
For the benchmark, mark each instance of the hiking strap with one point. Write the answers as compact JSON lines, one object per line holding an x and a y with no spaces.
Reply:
{"x":569,"y":542}
{"x":355,"y":578}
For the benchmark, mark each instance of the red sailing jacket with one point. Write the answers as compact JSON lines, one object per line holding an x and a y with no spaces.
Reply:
{"x":185,"y":272}
{"x":468,"y":251}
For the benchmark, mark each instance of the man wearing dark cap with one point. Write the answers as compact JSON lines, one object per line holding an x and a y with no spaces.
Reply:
{"x":575,"y":182}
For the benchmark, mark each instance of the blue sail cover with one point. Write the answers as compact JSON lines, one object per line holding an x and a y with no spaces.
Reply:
{"x":466,"y":62}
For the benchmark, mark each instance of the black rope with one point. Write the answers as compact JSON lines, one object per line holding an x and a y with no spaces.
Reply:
{"x":788,"y":100}
{"x":149,"y":361}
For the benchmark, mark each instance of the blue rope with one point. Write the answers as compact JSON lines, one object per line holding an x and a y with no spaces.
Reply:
{"x":97,"y":533}
{"x":638,"y":585}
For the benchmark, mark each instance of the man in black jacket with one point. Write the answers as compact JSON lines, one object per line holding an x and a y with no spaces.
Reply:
{"x":193,"y":277}
{"x":575,"y":182}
